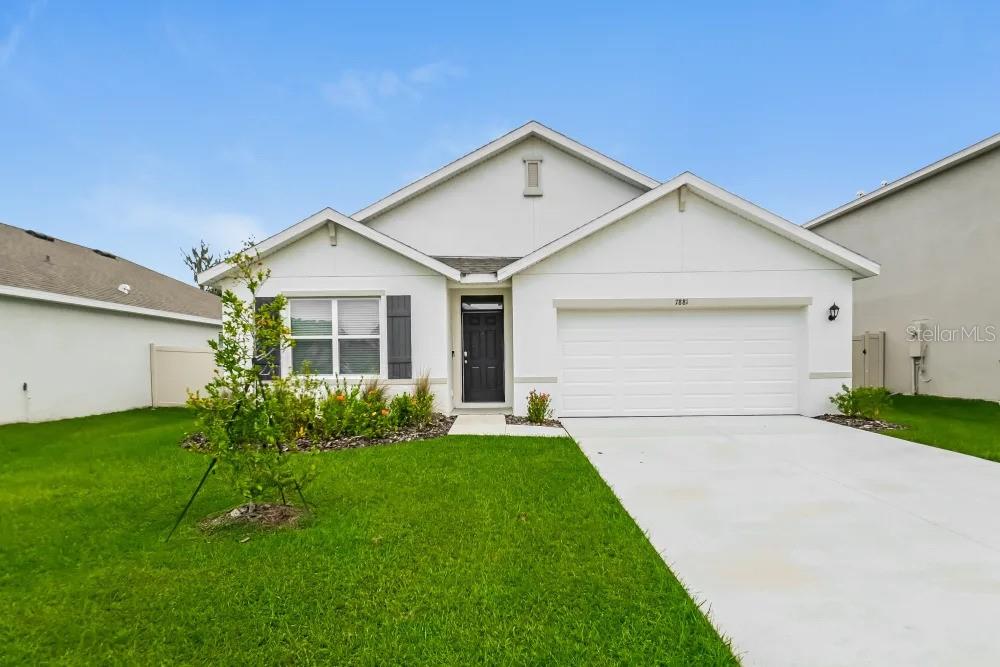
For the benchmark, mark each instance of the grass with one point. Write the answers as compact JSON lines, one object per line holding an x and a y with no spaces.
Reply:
{"x":961,"y":425}
{"x":453,"y":551}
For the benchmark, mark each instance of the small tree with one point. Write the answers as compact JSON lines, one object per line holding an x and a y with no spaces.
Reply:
{"x":237,"y":414}
{"x":198,"y":259}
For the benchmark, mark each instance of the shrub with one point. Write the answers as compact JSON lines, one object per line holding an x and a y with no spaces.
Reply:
{"x":358,"y":410}
{"x":423,"y":400}
{"x":374,"y":389}
{"x":539,"y":407}
{"x":293,"y":403}
{"x":401,"y":411}
{"x":867,"y":402}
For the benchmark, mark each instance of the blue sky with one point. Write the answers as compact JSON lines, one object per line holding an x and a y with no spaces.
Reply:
{"x":142,"y":127}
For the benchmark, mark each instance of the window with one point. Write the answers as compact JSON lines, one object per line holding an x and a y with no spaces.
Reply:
{"x":532,"y":177}
{"x":352,"y":347}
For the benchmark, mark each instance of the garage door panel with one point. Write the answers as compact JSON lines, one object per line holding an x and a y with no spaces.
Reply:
{"x":648,"y":346}
{"x":679,"y":362}
{"x":705,"y":360}
{"x":584,"y":375}
{"x":590,"y":348}
{"x":636,"y":389}
{"x":599,"y":361}
{"x":648,"y":361}
{"x":653,"y":374}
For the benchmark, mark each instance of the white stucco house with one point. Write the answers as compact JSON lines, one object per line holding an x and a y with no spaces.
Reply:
{"x":537,"y":262}
{"x":932,"y":309}
{"x":86,"y":332}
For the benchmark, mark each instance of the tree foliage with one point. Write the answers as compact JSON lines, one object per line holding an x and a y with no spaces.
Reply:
{"x":243,"y":418}
{"x":198,"y":259}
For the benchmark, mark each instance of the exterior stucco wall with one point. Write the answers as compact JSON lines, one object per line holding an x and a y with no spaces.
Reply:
{"x":313,"y":267}
{"x":704,"y":252}
{"x":80,"y":361}
{"x":937,"y":242}
{"x":483,"y":211}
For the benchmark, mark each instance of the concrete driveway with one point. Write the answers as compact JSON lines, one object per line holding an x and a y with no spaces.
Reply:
{"x":815,"y":544}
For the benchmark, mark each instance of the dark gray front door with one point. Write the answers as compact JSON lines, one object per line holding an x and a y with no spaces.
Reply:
{"x":482,"y":363}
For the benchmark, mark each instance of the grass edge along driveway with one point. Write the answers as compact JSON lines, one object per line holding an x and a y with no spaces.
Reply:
{"x":455,"y":550}
{"x":961,"y":425}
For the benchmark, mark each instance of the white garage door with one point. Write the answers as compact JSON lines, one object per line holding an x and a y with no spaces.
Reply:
{"x":677,"y":362}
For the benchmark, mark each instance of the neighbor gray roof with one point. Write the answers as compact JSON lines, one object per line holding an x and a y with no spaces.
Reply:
{"x":477,"y":264}
{"x":30,"y":262}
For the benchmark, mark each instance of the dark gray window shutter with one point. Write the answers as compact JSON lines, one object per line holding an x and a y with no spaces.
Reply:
{"x":273,"y":366}
{"x":398,"y":320}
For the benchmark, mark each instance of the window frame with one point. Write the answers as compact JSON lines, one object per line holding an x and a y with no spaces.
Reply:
{"x":335,"y":337}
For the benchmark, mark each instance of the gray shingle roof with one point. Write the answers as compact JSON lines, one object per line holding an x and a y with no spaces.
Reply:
{"x":477,"y":264}
{"x":29,"y":262}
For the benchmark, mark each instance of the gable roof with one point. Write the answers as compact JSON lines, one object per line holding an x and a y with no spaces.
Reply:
{"x":330,"y":216}
{"x":529,"y":129}
{"x":469,"y":265}
{"x":327,"y":215}
{"x":953,"y":160}
{"x":862,"y":266}
{"x":38,"y":266}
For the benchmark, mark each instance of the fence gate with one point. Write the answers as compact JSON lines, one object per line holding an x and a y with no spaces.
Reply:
{"x":868,"y":359}
{"x":175,"y":370}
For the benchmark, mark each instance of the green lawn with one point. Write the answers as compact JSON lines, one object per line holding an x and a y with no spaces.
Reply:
{"x":969,"y":427}
{"x":454,"y":551}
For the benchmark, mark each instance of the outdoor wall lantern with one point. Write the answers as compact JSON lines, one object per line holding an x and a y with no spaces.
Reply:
{"x":834,"y":311}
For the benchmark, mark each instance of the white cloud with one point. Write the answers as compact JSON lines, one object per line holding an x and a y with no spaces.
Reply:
{"x":144,"y":220}
{"x":363,"y":91}
{"x":10,"y":41}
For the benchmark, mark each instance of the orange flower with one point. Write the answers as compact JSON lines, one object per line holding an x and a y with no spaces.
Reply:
{"x":385,"y":413}
{"x":341,"y":397}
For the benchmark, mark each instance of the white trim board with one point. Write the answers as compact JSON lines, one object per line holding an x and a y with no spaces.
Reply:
{"x":861,"y":266}
{"x":953,"y":160}
{"x":529,"y":129}
{"x":680,"y":303}
{"x":81,"y":302}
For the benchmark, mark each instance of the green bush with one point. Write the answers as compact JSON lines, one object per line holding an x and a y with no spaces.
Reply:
{"x":423,"y":400}
{"x":359,"y":410}
{"x":401,"y":411}
{"x":539,"y":407}
{"x":867,"y":402}
{"x":293,"y":403}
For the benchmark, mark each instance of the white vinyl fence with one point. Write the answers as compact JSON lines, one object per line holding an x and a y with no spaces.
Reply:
{"x":173,"y":371}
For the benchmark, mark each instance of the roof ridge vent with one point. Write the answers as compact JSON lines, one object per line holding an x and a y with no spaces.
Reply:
{"x":104,"y":253}
{"x":39,"y":235}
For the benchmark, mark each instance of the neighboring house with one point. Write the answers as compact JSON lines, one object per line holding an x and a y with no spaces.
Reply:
{"x":77,"y":326}
{"x":535,"y":262}
{"x":937,"y":233}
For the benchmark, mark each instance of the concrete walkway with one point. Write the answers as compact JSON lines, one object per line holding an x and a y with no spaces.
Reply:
{"x":497,"y":425}
{"x":812,"y":543}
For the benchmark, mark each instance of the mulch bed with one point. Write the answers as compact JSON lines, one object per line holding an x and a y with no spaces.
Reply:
{"x":861,"y":423}
{"x":438,"y":426}
{"x":523,"y":421}
{"x":258,"y":514}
